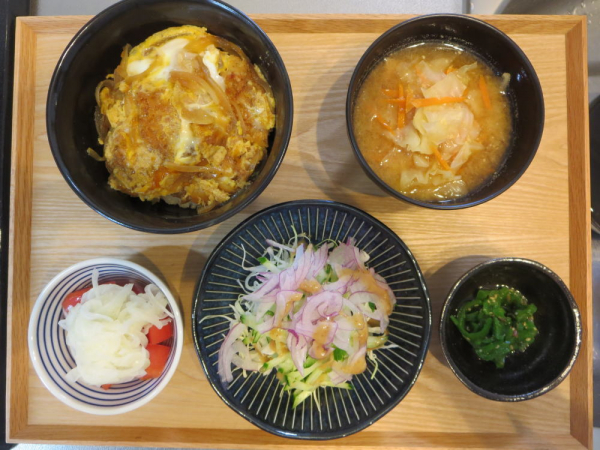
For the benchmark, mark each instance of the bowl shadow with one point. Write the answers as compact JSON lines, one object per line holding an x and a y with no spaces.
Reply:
{"x":439,"y":282}
{"x":151,"y":254}
{"x":346,"y":181}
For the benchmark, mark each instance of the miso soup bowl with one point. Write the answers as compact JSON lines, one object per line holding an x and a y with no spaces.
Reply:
{"x":502,"y":54}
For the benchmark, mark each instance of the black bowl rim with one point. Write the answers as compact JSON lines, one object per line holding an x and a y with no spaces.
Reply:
{"x":442,"y":206}
{"x":326,"y":435}
{"x":567,"y":296}
{"x":58,"y":74}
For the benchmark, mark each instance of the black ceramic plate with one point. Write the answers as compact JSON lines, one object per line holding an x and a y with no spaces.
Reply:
{"x":259,"y":398}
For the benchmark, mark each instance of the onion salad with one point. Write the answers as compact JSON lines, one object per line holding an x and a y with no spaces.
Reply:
{"x":116,"y":333}
{"x":312,"y":313}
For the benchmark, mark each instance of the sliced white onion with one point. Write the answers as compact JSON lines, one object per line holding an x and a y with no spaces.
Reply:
{"x":105,"y":332}
{"x":226,"y":352}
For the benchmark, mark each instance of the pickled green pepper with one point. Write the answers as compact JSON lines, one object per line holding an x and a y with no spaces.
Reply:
{"x":497,"y":323}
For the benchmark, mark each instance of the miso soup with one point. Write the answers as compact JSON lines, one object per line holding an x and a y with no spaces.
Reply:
{"x":433,"y":121}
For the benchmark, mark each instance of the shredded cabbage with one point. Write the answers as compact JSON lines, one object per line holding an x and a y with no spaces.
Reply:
{"x":448,"y":86}
{"x":106,"y":332}
{"x":311,"y":312}
{"x":441,"y":136}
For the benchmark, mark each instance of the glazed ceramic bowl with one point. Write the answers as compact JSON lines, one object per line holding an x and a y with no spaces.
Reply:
{"x":52,"y":358}
{"x":260,"y":398}
{"x":96,"y":51}
{"x":503,"y":55}
{"x":546,"y":362}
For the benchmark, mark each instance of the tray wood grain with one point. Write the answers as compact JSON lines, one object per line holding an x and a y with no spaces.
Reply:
{"x":544,"y":216}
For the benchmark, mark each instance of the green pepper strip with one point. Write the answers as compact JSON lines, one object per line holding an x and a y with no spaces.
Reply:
{"x":497,"y":323}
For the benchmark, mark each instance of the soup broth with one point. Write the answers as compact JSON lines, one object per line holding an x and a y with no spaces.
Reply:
{"x":433,"y":121}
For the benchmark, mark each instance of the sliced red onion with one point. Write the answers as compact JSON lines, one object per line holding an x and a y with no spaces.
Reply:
{"x":343,"y":255}
{"x":349,"y":256}
{"x":319,"y":261}
{"x":268,"y":350}
{"x":298,"y":346}
{"x":262,"y":307}
{"x":361,"y":257}
{"x":383,"y":284}
{"x":245,"y":364}
{"x":342,"y":340}
{"x":331,"y":332}
{"x":291,"y":278}
{"x":263,"y":290}
{"x":243,"y":360}
{"x":226,"y":352}
{"x":324,"y":310}
{"x":363,"y":298}
{"x":282,"y":299}
{"x":298,"y":257}
{"x":357,"y":285}
{"x":351,"y":306}
{"x":264,"y":276}
{"x":306,"y":330}
{"x":324,"y":307}
{"x":366,"y":311}
{"x":362,"y":351}
{"x":265,"y":326}
{"x":384,"y":321}
{"x":241,"y":349}
{"x":332,"y":300}
{"x":338,"y":377}
{"x":304,"y":265}
{"x":341,"y":285}
{"x":287,"y":279}
{"x":333,"y":326}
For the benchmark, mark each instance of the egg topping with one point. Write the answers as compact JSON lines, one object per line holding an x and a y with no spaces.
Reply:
{"x":184,"y":118}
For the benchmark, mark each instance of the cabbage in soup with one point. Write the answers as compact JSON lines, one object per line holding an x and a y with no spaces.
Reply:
{"x":433,"y":121}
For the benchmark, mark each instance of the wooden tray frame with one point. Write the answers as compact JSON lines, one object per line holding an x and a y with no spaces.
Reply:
{"x":18,"y":427}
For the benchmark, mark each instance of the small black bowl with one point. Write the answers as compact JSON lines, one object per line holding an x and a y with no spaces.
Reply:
{"x":546,"y":362}
{"x":95,"y":52}
{"x":502,"y":55}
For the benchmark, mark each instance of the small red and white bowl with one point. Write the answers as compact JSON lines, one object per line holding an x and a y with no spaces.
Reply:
{"x":52,"y":359}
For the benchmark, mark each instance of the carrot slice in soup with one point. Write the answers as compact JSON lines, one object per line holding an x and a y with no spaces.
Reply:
{"x":401,"y":111}
{"x":439,"y":157}
{"x":432,"y":101}
{"x":485,"y":95}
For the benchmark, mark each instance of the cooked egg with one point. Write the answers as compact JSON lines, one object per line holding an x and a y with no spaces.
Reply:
{"x":188,"y":119}
{"x":210,"y":58}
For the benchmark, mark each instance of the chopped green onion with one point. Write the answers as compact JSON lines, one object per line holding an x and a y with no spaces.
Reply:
{"x":339,"y":354}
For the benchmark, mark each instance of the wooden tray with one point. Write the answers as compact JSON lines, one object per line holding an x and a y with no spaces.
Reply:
{"x":545,"y":216}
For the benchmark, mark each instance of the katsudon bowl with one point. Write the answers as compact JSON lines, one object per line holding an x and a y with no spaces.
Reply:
{"x":95,"y":52}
